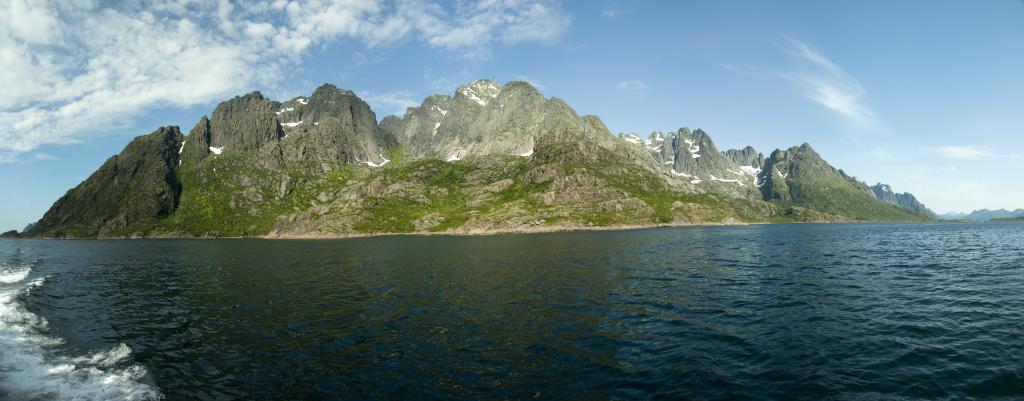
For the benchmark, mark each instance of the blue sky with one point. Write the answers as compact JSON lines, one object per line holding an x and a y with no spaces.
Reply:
{"x":923,"y":95}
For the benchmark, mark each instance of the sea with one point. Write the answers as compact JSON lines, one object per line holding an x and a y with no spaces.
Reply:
{"x":924,"y":311}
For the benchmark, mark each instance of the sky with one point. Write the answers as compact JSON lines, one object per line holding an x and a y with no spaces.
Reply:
{"x":927,"y":96}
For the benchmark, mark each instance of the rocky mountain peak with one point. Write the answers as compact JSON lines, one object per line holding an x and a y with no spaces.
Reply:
{"x":138,"y":183}
{"x":481,"y":91}
{"x":747,"y":156}
{"x":326,"y":89}
{"x":482,"y":118}
{"x":241,"y":124}
{"x":691,"y":156}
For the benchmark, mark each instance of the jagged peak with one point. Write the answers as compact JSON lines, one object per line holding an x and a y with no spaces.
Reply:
{"x":169,"y":129}
{"x":481,"y":91}
{"x":792,"y":151}
{"x":253,"y":94}
{"x":522,"y":85}
{"x":329,"y":88}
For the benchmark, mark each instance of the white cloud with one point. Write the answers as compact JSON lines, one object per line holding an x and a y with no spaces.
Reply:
{"x":632,"y":85}
{"x":962,"y":152}
{"x":969,"y":152}
{"x":73,"y":69}
{"x":824,"y":82}
{"x":390,"y":102}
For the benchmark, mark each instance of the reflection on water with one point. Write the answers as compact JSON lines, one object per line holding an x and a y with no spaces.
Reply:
{"x":811,"y":312}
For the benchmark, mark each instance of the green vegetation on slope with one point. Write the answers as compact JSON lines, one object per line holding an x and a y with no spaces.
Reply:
{"x":839,"y":197}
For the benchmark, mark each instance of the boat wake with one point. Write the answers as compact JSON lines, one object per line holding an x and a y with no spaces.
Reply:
{"x":29,"y":368}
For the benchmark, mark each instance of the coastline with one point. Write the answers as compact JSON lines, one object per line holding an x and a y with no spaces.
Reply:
{"x":487,"y":232}
{"x":504,"y":231}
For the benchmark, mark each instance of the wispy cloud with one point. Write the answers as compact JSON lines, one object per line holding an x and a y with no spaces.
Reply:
{"x":390,"y":102}
{"x":826,"y":83}
{"x":73,"y":69}
{"x":612,"y":9}
{"x":733,"y":68}
{"x":634,"y":86}
{"x":970,"y":152}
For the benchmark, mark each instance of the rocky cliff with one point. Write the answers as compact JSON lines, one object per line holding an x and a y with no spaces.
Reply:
{"x":138,"y":183}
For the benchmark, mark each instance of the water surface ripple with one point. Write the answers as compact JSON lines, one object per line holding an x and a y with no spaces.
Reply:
{"x":777,"y":312}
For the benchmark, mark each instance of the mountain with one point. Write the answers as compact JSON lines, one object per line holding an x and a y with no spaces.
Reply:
{"x":330,"y":127}
{"x":799,"y":176}
{"x":139,"y":183}
{"x":692,"y":156}
{"x":984,"y":215}
{"x":747,"y":156}
{"x":884,"y":193}
{"x":485,"y":118}
{"x":488,"y":158}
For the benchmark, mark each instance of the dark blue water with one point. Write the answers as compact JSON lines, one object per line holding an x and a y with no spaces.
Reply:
{"x":778,"y":312}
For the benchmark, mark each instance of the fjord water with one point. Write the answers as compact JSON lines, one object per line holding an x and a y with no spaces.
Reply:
{"x":775,"y":312}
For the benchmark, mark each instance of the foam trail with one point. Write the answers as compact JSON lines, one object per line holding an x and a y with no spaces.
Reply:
{"x":11,"y":275}
{"x":29,"y":372}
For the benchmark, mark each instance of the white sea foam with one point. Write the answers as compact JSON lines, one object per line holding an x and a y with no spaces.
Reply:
{"x":31,"y":370}
{"x":11,"y":275}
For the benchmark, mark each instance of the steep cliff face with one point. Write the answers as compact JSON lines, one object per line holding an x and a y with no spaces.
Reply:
{"x":241,"y":125}
{"x":747,"y":156}
{"x":140,"y":183}
{"x":485,"y":118}
{"x":693,"y":157}
{"x":333,"y":126}
{"x":330,"y":127}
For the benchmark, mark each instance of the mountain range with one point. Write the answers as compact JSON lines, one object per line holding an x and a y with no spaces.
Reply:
{"x":488,"y":158}
{"x":984,"y":215}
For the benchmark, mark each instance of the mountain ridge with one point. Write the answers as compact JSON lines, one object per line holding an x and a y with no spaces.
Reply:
{"x":489,"y":158}
{"x":984,"y":214}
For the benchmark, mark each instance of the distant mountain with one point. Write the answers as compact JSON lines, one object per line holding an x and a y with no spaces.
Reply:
{"x":884,"y":193}
{"x":800,"y":176}
{"x":984,"y":215}
{"x":489,"y":158}
{"x":746,"y":173}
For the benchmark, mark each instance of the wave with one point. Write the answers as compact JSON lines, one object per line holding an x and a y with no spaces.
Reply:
{"x":29,"y":371}
{"x":11,"y":275}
